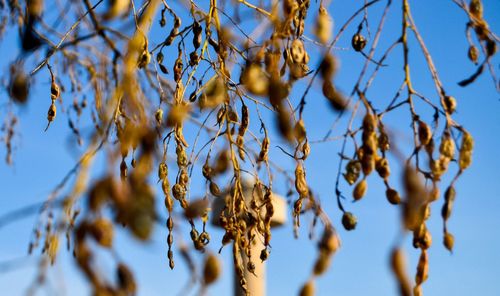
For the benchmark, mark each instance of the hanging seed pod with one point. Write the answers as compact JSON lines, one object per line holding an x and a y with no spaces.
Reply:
{"x":159,"y":116}
{"x":360,"y":190}
{"x":214,"y":189}
{"x":447,"y":147}
{"x":211,"y":270}
{"x":358,"y":42}
{"x":170,"y":223}
{"x":171,"y":263}
{"x":169,"y":203}
{"x":448,"y":241}
{"x":264,"y":149}
{"x":369,"y":143}
{"x":264,"y":254}
{"x":473,"y":54}
{"x":144,"y":58}
{"x":183,"y":177}
{"x":449,"y":198}
{"x":465,"y":153}
{"x":435,"y":193}
{"x":51,"y":114}
{"x":383,"y":141}
{"x":34,"y":8}
{"x":352,"y":171}
{"x":214,"y":94}
{"x":382,"y":168}
{"x":446,"y":210}
{"x":367,"y":163}
{"x":177,"y":115}
{"x":427,"y":214}
{"x":245,"y":120}
{"x":398,"y":264}
{"x":178,"y":191}
{"x":329,"y":242}
{"x":349,"y":221}
{"x":307,"y":289}
{"x":369,"y":123}
{"x":178,"y":66}
{"x":439,"y":166}
{"x":255,"y":80}
{"x":18,"y":85}
{"x":416,"y":199}
{"x":102,"y":231}
{"x":182,"y":159}
{"x":422,"y":238}
{"x":476,"y":8}
{"x":422,"y":268}
{"x":450,"y":194}
{"x":324,"y":25}
{"x":52,"y":247}
{"x":194,"y":59}
{"x":429,"y":148}
{"x":197,"y":30}
{"x":196,"y":208}
{"x":126,"y":279}
{"x":54,"y":90}
{"x":328,"y":67}
{"x":300,"y":181}
{"x":322,"y":263}
{"x":116,"y":8}
{"x":467,"y":142}
{"x":297,"y":51}
{"x":306,"y":149}
{"x":300,"y":131}
{"x":450,"y":104}
{"x":335,"y":98}
{"x":424,"y":133}
{"x":162,"y":171}
{"x":207,"y":171}
{"x":393,"y":196}
{"x":491,"y":48}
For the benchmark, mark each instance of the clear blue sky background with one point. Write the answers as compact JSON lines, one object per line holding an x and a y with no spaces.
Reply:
{"x":361,"y":266}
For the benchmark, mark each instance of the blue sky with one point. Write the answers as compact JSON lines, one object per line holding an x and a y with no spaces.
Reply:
{"x":361,"y":266}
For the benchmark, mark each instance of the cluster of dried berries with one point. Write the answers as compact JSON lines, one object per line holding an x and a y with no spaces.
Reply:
{"x":216,"y":82}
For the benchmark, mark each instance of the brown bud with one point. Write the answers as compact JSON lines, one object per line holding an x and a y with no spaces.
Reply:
{"x":349,"y":221}
{"x":360,"y":190}
{"x":424,"y":133}
{"x":212,"y":269}
{"x":473,"y":54}
{"x":382,"y":168}
{"x":393,"y":196}
{"x":307,"y":289}
{"x":448,"y":241}
{"x":450,"y":104}
{"x":358,"y":42}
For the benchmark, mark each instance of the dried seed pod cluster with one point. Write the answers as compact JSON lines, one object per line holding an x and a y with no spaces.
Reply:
{"x":217,"y":73}
{"x":54,"y":95}
{"x":327,"y":246}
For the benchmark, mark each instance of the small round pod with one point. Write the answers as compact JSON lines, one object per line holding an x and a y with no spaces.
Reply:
{"x":382,"y":168}
{"x":450,"y":104}
{"x":358,"y":42}
{"x":360,"y":190}
{"x":102,"y":231}
{"x":449,"y":241}
{"x":349,"y":221}
{"x":211,"y":270}
{"x":322,"y":263}
{"x":308,"y":289}
{"x":392,"y":196}
{"x":126,"y":279}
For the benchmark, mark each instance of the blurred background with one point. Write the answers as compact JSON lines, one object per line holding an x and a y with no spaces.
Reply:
{"x":360,"y":267}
